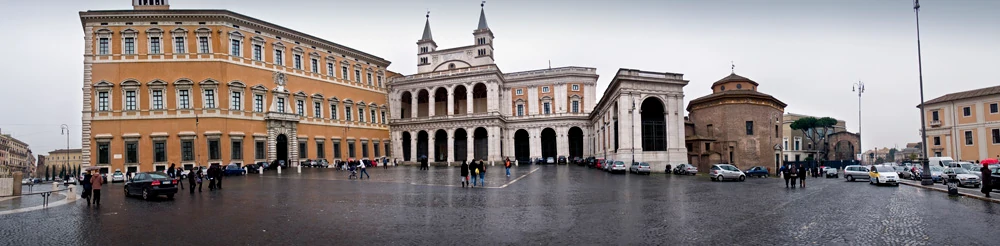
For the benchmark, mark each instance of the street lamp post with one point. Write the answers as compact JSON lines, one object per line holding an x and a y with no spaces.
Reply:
{"x":860,"y":88}
{"x":925,"y":176}
{"x":632,"y":138}
{"x":65,"y":131}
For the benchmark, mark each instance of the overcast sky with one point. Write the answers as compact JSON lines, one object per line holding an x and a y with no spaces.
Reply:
{"x":806,"y":53}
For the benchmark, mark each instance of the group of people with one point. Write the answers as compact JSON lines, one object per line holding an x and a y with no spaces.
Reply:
{"x":358,"y":169}
{"x":470,"y":171}
{"x":793,"y":172}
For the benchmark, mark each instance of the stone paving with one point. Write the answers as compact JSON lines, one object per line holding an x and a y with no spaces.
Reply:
{"x":561,"y":205}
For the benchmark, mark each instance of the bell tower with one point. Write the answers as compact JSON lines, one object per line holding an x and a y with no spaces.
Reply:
{"x":483,"y":36}
{"x":150,"y":4}
{"x":426,"y":44}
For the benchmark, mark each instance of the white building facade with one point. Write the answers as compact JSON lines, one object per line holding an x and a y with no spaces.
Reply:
{"x":461,"y":106}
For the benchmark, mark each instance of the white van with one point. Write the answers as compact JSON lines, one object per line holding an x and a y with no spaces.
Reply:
{"x":940,"y":161}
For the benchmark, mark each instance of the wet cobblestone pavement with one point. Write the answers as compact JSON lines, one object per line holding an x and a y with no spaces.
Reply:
{"x":561,"y":205}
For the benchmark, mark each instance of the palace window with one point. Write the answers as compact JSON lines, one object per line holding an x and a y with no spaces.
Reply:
{"x":184,"y":98}
{"x":357,"y":76}
{"x":300,"y":108}
{"x":749,"y":127}
{"x":213,"y":149}
{"x":258,"y":103}
{"x":329,"y":69}
{"x":129,"y":46}
{"x":575,"y":106}
{"x":996,"y":136}
{"x":383,"y":117}
{"x":303,"y":152}
{"x":236,"y":101}
{"x":373,"y":115}
{"x":157,"y":99}
{"x":336,"y":149}
{"x":187,"y":150}
{"x":380,"y":82}
{"x":519,"y":92}
{"x":281,"y":105}
{"x":159,"y":151}
{"x":102,"y":47}
{"x":236,"y":150}
{"x":520,"y":110}
{"x":937,"y":140}
{"x":546,"y":108}
{"x":203,"y":45}
{"x":967,"y":111}
{"x":102,"y":101}
{"x":350,"y":150}
{"x":576,"y":87}
{"x":545,"y":89}
{"x":104,"y":153}
{"x":314,"y":65}
{"x":235,"y":47}
{"x":130,"y":101}
{"x":257,"y":52}
{"x":994,"y":108}
{"x":347,"y":113}
{"x":131,"y":152}
{"x":333,"y":111}
{"x":297,"y":60}
{"x":369,"y":77}
{"x":154,"y":45}
{"x":343,"y":73}
{"x":423,"y":60}
{"x":361,"y":114}
{"x":179,"y":45}
{"x":320,"y":153}
{"x":375,"y":147}
{"x":279,"y":57}
{"x":934,"y":115}
{"x":317,"y":110}
{"x":259,"y":150}
{"x":968,"y":138}
{"x":364,"y":149}
{"x":209,"y":98}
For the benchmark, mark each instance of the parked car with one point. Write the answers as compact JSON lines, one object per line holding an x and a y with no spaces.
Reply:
{"x":883,"y":174}
{"x":69,"y":181}
{"x":263,"y":164}
{"x":686,"y":169}
{"x":973,"y":169}
{"x":561,"y":159}
{"x":117,"y":176}
{"x":608,"y":164}
{"x":253,"y":168}
{"x":579,"y":161}
{"x":618,"y":166}
{"x":322,"y":163}
{"x":233,"y":169}
{"x":831,"y":172}
{"x":757,"y":171}
{"x":721,"y":172}
{"x":965,"y":178}
{"x":937,"y":173}
{"x":151,"y":184}
{"x":26,"y":181}
{"x":598,"y":163}
{"x":639,"y":168}
{"x":855,"y":172}
{"x":994,"y":178}
{"x":903,"y":172}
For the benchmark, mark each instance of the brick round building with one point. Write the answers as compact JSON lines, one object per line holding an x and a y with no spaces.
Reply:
{"x":735,"y":124}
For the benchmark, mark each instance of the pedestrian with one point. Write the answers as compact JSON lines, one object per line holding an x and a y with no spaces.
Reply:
{"x":201,"y":178}
{"x":180,"y":177}
{"x":385,"y":163}
{"x":96,"y":189}
{"x":86,"y":186}
{"x":793,"y":173}
{"x":506,"y":164}
{"x":784,"y":173}
{"x":192,"y":179}
{"x":171,"y":171}
{"x":211,"y":177}
{"x":474,"y":171}
{"x":802,"y":177}
{"x":218,"y":176}
{"x":364,"y":172}
{"x":987,"y":180}
{"x":482,"y":173}
{"x":465,"y":173}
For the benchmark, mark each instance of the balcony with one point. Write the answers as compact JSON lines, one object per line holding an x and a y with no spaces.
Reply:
{"x":436,"y":118}
{"x":935,"y":123}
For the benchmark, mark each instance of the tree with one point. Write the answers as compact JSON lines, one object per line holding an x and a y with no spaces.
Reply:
{"x":816,"y":130}
{"x":913,"y":157}
{"x":891,"y":156}
{"x":47,"y":173}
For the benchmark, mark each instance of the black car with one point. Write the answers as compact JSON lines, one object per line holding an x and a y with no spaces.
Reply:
{"x":578,"y":161}
{"x":253,"y":168}
{"x":561,"y":160}
{"x":151,"y":184}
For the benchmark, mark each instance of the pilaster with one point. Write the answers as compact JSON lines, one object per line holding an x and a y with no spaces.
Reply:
{"x":451,"y":143}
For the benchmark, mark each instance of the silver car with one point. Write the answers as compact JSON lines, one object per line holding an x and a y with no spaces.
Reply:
{"x":856,"y":172}
{"x":619,"y":166}
{"x":965,"y":178}
{"x":686,"y":169}
{"x":639,"y":168}
{"x":721,"y":172}
{"x":608,"y":164}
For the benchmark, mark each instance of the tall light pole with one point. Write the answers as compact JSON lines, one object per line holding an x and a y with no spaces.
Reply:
{"x":65,"y":131}
{"x":925,"y":176}
{"x":632,"y":138}
{"x":860,"y":88}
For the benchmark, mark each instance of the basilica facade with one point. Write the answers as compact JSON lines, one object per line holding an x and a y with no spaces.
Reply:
{"x":461,"y":106}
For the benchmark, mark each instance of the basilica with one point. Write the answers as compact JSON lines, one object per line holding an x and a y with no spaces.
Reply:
{"x":460,"y":106}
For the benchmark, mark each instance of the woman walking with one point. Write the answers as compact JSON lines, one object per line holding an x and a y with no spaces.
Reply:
{"x":465,"y":173}
{"x":86,"y":186}
{"x":96,"y":189}
{"x":482,"y":173}
{"x":200,"y":178}
{"x":802,"y":177}
{"x":192,"y":179}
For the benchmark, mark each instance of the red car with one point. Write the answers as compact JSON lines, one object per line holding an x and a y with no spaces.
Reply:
{"x":599,"y":163}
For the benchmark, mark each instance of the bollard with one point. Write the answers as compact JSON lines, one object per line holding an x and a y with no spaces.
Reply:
{"x":260,"y":171}
{"x":55,"y":186}
{"x":279,"y":169}
{"x":515,"y":163}
{"x":70,"y":194}
{"x":245,"y":170}
{"x":299,"y":168}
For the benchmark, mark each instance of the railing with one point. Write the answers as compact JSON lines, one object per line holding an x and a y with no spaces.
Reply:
{"x":442,"y":73}
{"x":935,"y":123}
{"x":448,"y":117}
{"x":539,"y":72}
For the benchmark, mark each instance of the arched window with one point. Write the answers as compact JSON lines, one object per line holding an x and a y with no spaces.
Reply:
{"x":654,"y":125}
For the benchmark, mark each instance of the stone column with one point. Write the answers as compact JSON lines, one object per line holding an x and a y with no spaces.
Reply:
{"x":492,"y":102}
{"x":414,"y":104}
{"x":413,"y":146}
{"x":470,"y":140}
{"x":468,"y":101}
{"x":562,"y":141}
{"x":493,"y":140}
{"x":430,"y":103}
{"x":451,"y":144}
{"x":451,"y":101}
{"x":431,"y":139}
{"x":535,"y":141}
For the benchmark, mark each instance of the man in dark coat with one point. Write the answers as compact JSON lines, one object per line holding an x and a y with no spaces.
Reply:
{"x":785,"y":174}
{"x":465,"y":173}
